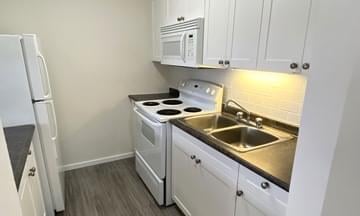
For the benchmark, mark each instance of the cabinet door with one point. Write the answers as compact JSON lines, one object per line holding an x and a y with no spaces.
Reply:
{"x":27,"y":202}
{"x":158,"y":16}
{"x":28,"y":205}
{"x":174,"y":10}
{"x":185,"y":191}
{"x":246,"y":33}
{"x":218,"y":31}
{"x":194,"y":9}
{"x":283,"y":34}
{"x":34,"y":182}
{"x":217,"y":187}
{"x":245,"y":208}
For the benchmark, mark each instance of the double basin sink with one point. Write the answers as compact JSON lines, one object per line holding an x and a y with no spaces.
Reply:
{"x":240,"y":136}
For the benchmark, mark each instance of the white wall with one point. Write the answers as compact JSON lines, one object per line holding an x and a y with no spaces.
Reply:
{"x":276,"y":95}
{"x":98,"y":52}
{"x":9,"y":199}
{"x":326,"y":172}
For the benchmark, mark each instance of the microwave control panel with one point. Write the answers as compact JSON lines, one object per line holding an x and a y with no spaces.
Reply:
{"x":190,"y":46}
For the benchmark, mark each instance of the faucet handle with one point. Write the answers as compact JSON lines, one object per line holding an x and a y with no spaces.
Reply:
{"x":239,"y":115}
{"x":259,"y":122}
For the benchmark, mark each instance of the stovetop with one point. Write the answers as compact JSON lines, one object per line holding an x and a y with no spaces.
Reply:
{"x":165,"y":109}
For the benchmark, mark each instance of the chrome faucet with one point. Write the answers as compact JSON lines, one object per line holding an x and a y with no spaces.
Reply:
{"x":239,"y":115}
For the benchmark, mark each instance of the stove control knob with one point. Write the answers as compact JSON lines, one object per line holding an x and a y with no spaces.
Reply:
{"x":213,"y":92}
{"x":208,"y":90}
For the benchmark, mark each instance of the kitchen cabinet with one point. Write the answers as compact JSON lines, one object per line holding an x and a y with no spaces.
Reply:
{"x":204,"y":181}
{"x":246,"y":33}
{"x":31,"y":200}
{"x":245,"y":208}
{"x":158,"y":16}
{"x":283,"y":35}
{"x":257,"y":196}
{"x":218,"y":32}
{"x":182,"y":10}
{"x":267,"y":35}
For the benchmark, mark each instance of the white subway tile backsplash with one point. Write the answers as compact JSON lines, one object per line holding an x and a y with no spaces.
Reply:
{"x":275,"y":95}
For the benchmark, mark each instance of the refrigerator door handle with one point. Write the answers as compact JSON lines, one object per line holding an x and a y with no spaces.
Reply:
{"x":45,"y":76}
{"x":52,"y":119}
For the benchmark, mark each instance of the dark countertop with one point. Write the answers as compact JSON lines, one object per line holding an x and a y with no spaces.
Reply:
{"x":173,"y":93}
{"x":18,"y":141}
{"x":273,"y":162}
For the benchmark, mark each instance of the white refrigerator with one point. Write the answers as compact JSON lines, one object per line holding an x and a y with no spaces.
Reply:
{"x":25,"y":95}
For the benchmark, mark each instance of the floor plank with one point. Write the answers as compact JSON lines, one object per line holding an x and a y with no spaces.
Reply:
{"x":111,"y":189}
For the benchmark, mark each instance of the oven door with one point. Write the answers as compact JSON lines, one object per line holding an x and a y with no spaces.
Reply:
{"x":150,"y":143}
{"x":173,"y":48}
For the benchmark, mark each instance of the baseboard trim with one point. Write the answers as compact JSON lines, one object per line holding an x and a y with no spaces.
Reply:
{"x":97,"y":161}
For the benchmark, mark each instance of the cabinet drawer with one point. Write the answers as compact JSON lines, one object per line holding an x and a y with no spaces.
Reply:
{"x":272,"y":200}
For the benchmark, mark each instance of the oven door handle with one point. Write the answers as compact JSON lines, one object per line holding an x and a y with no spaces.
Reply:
{"x":147,"y":120}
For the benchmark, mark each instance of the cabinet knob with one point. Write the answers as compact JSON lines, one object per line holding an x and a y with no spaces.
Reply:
{"x":29,"y":153}
{"x":33,"y":169}
{"x":227,"y":62}
{"x":180,"y":18}
{"x":221,"y":62}
{"x":239,"y":193}
{"x":265,"y":185}
{"x":294,"y":65}
{"x":32,"y":174}
{"x":306,"y":66}
{"x":197,"y":161}
{"x":192,"y":157}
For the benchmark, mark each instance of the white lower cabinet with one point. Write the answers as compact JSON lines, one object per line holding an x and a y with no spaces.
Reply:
{"x":32,"y":202}
{"x":207,"y":183}
{"x":204,"y":181}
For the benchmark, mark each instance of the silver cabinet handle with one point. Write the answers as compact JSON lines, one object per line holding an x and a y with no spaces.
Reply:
{"x":197,"y":161}
{"x":32,"y":171}
{"x":306,"y":66}
{"x":265,"y":185}
{"x":239,"y":193}
{"x":294,"y":65}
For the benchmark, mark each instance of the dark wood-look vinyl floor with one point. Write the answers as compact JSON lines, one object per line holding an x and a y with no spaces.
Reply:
{"x":111,"y":189}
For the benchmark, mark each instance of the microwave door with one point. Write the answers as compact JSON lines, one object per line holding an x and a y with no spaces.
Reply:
{"x":173,"y":49}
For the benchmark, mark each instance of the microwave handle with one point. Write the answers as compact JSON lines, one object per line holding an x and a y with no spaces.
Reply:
{"x":183,"y":46}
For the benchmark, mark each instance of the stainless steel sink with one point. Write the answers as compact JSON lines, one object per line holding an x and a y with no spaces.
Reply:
{"x":244,"y":138}
{"x":239,"y":136}
{"x":208,"y":123}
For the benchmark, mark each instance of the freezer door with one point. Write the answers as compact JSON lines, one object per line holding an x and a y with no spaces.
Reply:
{"x":36,"y":68}
{"x":47,"y":127}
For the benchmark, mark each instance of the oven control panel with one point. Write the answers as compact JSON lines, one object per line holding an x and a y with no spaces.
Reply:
{"x":201,"y":88}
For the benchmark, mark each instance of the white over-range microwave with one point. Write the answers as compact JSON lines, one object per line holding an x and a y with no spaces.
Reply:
{"x":182,"y":43}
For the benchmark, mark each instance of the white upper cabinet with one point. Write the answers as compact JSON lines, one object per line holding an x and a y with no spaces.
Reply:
{"x":218,"y":32}
{"x":246,"y":33}
{"x":158,"y":18}
{"x":283,"y":35}
{"x":182,"y":10}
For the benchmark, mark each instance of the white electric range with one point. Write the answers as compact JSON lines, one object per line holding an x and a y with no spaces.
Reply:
{"x":152,"y":131}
